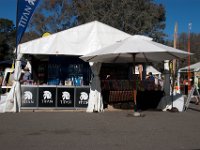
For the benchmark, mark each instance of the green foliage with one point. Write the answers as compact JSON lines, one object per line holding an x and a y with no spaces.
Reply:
{"x":194,"y":46}
{"x":182,"y":44}
{"x":131,"y":16}
{"x":50,"y":16}
{"x":6,"y":26}
{"x":7,"y":39}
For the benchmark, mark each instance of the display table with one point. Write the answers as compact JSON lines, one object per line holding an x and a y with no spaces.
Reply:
{"x":117,"y":91}
{"x":58,"y":97}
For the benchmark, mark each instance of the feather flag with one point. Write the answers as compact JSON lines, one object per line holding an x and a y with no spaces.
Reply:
{"x":25,"y":9}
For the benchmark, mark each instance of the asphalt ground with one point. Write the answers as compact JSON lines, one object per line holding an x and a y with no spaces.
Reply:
{"x":109,"y":130}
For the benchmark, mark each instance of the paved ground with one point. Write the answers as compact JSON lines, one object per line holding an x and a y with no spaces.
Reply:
{"x":114,"y":130}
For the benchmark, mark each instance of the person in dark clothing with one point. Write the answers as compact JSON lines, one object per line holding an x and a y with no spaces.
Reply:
{"x":151,"y":77}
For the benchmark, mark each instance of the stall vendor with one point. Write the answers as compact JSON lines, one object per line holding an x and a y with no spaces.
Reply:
{"x":26,"y":75}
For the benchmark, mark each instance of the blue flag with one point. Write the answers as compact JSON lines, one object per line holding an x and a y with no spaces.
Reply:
{"x":25,"y":9}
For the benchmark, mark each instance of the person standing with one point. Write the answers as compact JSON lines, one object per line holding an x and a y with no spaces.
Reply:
{"x":140,"y":69}
{"x":26,"y":76}
{"x":151,"y":77}
{"x":185,"y":83}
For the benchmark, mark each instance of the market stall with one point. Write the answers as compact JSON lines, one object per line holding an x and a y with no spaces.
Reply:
{"x":132,"y":50}
{"x":182,"y":77}
{"x":57,"y":97}
{"x":56,"y":66}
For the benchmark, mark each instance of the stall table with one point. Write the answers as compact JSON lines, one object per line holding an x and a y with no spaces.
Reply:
{"x":57,"y":97}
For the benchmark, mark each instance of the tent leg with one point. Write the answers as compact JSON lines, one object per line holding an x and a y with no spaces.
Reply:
{"x":135,"y":99}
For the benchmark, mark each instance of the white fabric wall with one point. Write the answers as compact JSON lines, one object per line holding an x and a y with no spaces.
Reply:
{"x":13,"y":99}
{"x":95,"y":103}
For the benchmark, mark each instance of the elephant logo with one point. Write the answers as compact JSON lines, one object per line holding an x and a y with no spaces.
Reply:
{"x":47,"y":95}
{"x":84,"y":96}
{"x":65,"y":95}
{"x":28,"y":95}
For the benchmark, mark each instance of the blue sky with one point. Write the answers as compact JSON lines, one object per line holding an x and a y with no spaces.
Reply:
{"x":181,"y":11}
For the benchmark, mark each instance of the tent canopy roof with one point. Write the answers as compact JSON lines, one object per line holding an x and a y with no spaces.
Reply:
{"x":138,"y":48}
{"x":79,"y":40}
{"x":193,"y":67}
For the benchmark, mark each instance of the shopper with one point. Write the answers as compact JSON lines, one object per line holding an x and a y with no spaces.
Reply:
{"x":151,"y":77}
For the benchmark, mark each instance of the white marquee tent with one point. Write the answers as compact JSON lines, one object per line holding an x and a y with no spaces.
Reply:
{"x":193,"y":67}
{"x":77,"y":41}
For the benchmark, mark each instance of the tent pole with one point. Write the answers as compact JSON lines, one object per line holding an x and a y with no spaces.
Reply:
{"x":135,"y":87}
{"x":189,"y":74}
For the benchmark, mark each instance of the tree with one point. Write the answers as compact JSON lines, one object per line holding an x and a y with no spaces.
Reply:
{"x":182,"y":43}
{"x":7,"y":39}
{"x":51,"y":16}
{"x":194,"y":43}
{"x":131,"y":16}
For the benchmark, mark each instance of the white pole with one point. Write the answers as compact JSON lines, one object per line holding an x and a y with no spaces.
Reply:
{"x":178,"y":82}
{"x":167,"y":78}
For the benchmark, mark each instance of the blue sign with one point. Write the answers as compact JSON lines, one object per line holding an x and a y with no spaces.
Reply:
{"x":25,"y":9}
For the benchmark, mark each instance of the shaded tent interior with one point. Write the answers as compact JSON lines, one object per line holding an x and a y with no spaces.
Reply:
{"x":55,"y":70}
{"x":118,"y":83}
